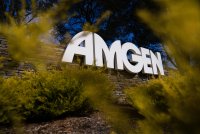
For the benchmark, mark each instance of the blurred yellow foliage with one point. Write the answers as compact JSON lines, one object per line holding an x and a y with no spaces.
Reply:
{"x":179,"y":27}
{"x":170,"y":104}
{"x":25,"y":40}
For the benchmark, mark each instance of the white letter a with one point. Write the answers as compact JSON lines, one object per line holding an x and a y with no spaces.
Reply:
{"x":74,"y":47}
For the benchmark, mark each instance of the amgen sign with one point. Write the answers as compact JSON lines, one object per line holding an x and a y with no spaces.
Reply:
{"x":96,"y":52}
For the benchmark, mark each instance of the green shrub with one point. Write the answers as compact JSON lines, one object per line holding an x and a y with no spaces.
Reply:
{"x":42,"y":96}
{"x":52,"y":94}
{"x":8,"y":103}
{"x":45,"y":95}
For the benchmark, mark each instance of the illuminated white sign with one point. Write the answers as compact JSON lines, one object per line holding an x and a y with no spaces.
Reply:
{"x":96,"y":52}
